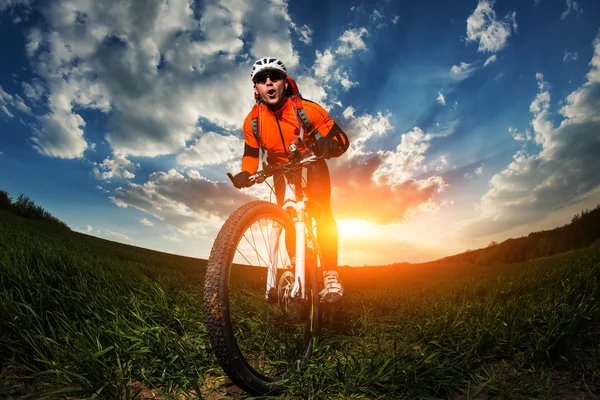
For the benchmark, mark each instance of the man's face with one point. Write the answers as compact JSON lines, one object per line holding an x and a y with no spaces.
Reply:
{"x":270,"y":85}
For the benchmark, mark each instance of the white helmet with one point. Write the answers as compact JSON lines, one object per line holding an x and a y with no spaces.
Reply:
{"x":267,"y":63}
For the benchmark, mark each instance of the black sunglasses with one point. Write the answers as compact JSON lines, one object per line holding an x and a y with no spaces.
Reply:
{"x":274,"y":75}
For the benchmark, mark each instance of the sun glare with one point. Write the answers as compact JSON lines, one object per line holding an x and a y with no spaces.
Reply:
{"x":356,"y":227}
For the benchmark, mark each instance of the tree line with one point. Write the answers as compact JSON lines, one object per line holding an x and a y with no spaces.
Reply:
{"x":582,"y":231}
{"x":23,"y":206}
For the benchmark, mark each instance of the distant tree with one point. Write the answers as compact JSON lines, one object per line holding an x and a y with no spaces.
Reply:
{"x":5,"y":201}
{"x":25,"y":207}
{"x":583,"y":230}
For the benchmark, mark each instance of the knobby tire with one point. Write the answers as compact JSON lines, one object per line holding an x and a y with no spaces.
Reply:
{"x":222,"y":328}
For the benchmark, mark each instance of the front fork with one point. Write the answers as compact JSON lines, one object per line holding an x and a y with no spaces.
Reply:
{"x":299,"y":209}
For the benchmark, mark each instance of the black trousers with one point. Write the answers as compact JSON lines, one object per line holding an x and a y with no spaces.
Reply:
{"x":318,"y":190}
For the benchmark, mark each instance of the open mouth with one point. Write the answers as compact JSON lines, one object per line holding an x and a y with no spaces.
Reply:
{"x":271,"y":92}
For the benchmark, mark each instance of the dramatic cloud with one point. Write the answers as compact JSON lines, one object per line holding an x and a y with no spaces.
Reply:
{"x":188,"y":203}
{"x":153,"y":69}
{"x":562,"y":172}
{"x":484,"y":27}
{"x":383,"y":179}
{"x":388,"y":202}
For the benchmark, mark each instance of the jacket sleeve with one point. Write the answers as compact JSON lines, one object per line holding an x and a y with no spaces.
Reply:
{"x":251,"y":148}
{"x":325,"y":126}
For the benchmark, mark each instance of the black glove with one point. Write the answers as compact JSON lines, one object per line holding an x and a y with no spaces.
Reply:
{"x":327,"y":146}
{"x":242,"y":180}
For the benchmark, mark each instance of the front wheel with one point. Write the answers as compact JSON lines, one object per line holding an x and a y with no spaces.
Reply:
{"x":259,"y":338}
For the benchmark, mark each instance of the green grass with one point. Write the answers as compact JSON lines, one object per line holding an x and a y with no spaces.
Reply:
{"x":85,"y":317}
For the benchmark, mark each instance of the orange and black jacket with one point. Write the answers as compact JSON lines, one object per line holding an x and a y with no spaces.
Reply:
{"x":281,"y":127}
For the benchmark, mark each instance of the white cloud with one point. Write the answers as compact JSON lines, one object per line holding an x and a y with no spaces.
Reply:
{"x":520,"y":136}
{"x":396,"y":19}
{"x":563,"y":172}
{"x":322,"y":70}
{"x":14,"y":102}
{"x":362,"y":128}
{"x":118,"y":167}
{"x":312,"y":90}
{"x":34,"y":91}
{"x":398,"y":166}
{"x":342,"y":78}
{"x":441,"y":99}
{"x":152,"y":75}
{"x":484,"y":27}
{"x":570,"y":56}
{"x":146,"y":221}
{"x":462,"y":71}
{"x":490,"y":60}
{"x":303,"y":31}
{"x":323,"y":62}
{"x":572,"y":6}
{"x":212,"y":149}
{"x":352,"y":41}
{"x":172,"y":237}
{"x":479,"y":170}
{"x":118,"y":235}
{"x":86,"y":229}
{"x":60,"y":135}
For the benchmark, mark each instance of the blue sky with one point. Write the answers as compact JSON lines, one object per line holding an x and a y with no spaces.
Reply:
{"x":470,"y":121}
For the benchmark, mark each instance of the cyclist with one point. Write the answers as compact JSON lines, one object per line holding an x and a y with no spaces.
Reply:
{"x":279,"y":115}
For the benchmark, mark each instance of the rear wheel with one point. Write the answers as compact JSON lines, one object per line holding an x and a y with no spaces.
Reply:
{"x":259,"y":339}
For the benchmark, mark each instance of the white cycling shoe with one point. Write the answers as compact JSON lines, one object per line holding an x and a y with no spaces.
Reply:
{"x":333,"y":290}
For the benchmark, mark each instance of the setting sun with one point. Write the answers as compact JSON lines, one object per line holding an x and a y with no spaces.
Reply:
{"x":356,"y":227}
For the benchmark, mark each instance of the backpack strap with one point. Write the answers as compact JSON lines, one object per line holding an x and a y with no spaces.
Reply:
{"x":255,"y":122}
{"x":306,"y":126}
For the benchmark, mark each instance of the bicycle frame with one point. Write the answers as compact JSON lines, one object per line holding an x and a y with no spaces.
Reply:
{"x":298,"y":209}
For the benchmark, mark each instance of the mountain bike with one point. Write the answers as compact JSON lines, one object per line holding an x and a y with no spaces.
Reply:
{"x":261,"y":301}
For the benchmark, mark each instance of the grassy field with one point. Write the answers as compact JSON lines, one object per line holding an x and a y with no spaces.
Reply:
{"x":82,"y":317}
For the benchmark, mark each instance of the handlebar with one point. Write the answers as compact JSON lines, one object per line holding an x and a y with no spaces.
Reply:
{"x":268,"y":171}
